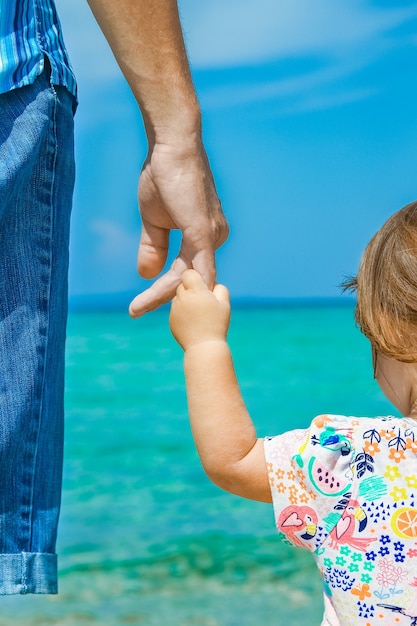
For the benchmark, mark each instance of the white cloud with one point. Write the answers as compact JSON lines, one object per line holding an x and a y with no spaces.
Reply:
{"x":323,"y":101}
{"x":309,"y":84}
{"x":223,"y":33}
{"x":114,"y":243}
{"x":345,"y":36}
{"x":237,"y":32}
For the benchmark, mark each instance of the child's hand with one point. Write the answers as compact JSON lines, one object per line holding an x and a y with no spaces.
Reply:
{"x":198,"y":314}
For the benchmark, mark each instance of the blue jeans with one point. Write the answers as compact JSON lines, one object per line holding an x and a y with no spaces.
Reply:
{"x":36,"y":185}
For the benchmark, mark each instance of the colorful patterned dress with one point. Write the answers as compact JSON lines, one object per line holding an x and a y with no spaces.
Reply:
{"x":346,"y":489}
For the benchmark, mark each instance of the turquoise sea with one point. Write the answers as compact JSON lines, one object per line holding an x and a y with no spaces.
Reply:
{"x":145,"y":539}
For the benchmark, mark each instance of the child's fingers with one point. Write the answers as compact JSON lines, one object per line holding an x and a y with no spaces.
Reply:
{"x":221,"y":292}
{"x":192,"y":280}
{"x":179,"y":291}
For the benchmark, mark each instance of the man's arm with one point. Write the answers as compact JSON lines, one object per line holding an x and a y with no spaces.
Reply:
{"x":224,"y":434}
{"x":176,"y":186}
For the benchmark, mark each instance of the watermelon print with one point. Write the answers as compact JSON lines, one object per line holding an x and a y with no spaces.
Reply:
{"x":346,"y":490}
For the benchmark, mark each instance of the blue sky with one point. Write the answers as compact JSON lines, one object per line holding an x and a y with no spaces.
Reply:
{"x":310,"y":123}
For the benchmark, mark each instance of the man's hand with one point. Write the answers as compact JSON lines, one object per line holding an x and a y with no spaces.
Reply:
{"x":177,"y":191}
{"x":199,"y":315}
{"x":176,"y":188}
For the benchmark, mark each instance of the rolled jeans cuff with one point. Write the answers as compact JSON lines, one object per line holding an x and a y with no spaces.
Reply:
{"x":28,"y":572}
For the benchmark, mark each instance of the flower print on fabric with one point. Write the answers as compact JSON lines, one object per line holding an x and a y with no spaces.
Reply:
{"x":345,"y":489}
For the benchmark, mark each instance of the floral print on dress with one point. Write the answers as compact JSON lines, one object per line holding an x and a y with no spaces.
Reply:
{"x":346,"y":490}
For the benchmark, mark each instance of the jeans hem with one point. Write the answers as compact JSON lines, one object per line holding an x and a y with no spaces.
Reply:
{"x":28,"y":572}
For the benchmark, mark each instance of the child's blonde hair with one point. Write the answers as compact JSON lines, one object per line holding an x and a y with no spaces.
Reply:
{"x":386,"y":286}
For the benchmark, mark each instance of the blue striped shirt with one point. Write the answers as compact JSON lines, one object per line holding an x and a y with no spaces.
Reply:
{"x":29,"y":31}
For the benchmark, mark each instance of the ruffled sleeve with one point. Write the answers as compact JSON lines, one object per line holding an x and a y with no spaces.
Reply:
{"x":311,"y":478}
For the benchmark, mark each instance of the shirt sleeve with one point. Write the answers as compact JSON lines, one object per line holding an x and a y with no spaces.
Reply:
{"x":311,"y":479}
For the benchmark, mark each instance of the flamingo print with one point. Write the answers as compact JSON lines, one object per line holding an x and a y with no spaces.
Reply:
{"x":353,"y":520}
{"x":299,"y":523}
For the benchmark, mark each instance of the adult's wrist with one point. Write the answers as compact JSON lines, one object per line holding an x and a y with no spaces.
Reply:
{"x":180,"y":126}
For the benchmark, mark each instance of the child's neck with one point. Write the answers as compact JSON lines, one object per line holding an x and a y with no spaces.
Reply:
{"x":413,"y":410}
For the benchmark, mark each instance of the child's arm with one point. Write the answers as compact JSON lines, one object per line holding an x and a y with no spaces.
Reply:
{"x":223,"y":431}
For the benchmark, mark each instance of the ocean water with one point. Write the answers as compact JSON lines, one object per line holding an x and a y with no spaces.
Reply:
{"x":145,"y":539}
